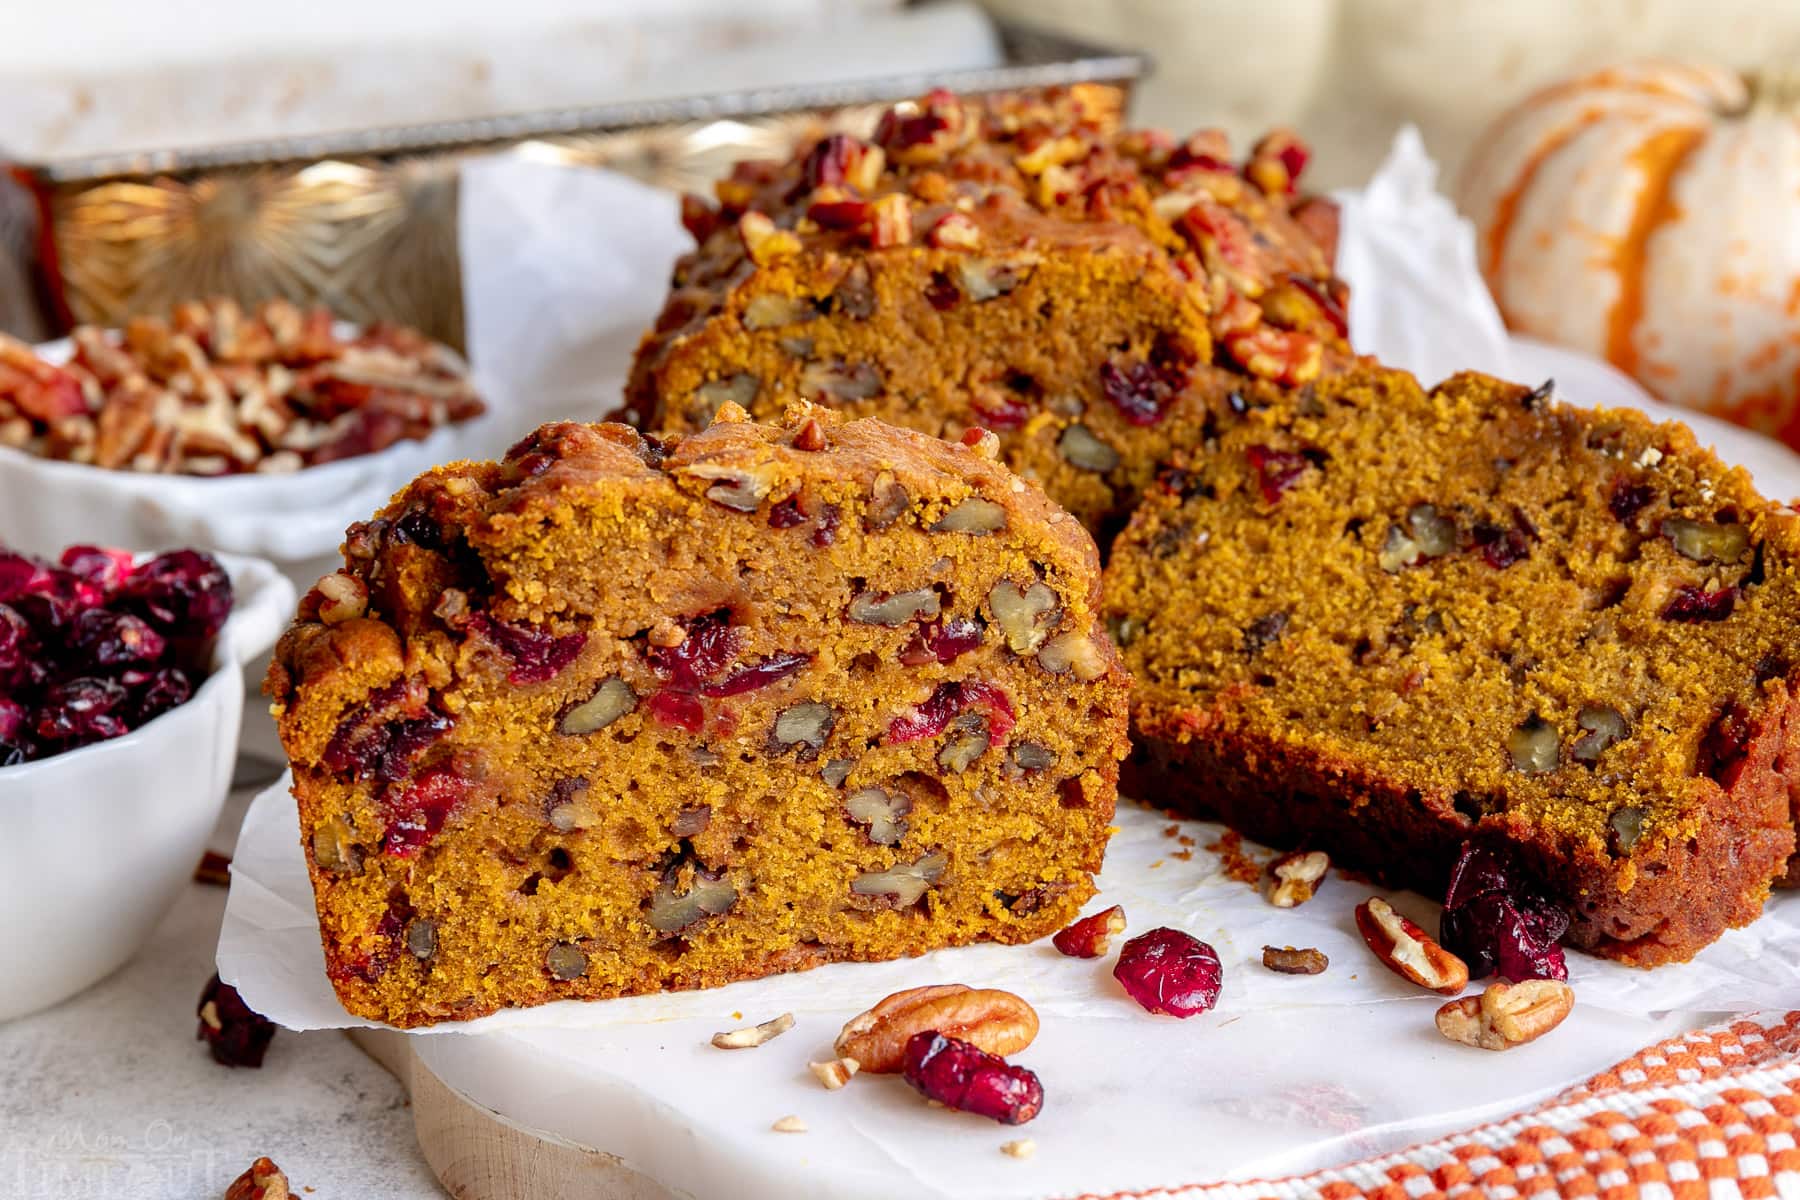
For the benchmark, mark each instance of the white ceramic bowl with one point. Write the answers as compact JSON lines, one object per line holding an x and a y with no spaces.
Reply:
{"x":96,"y":843}
{"x":295,"y":520}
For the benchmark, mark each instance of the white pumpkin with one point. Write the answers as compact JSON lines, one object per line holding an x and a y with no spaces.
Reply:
{"x":1650,"y":215}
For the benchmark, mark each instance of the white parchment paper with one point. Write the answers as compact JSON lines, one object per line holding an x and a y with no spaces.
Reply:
{"x":1287,"y":1074}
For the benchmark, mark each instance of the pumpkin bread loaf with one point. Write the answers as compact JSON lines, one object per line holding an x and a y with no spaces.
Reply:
{"x":1009,"y":262}
{"x":614,"y":715}
{"x":1386,"y":622}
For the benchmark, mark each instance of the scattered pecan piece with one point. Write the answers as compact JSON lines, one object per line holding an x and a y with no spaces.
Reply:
{"x":1297,"y":877}
{"x":1407,"y":950}
{"x":263,"y":1181}
{"x":1507,"y":1014}
{"x":755,"y":1035}
{"x":1289,"y":961}
{"x":834,"y":1073}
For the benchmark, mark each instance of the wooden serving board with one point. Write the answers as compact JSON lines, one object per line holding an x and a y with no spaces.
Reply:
{"x":477,"y":1154}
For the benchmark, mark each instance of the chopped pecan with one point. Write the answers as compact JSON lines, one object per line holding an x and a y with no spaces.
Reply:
{"x":1297,"y":877}
{"x":755,"y":1035}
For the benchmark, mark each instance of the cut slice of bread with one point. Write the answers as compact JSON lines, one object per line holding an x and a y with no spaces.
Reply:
{"x":612,"y":716}
{"x":1384,"y":622}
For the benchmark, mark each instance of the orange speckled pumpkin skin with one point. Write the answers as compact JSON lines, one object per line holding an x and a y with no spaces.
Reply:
{"x":1649,"y":214}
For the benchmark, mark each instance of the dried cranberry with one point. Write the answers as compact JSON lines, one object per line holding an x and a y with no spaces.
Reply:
{"x":1497,"y":924}
{"x":756,"y":675}
{"x":80,"y":711}
{"x":237,"y":1035}
{"x":928,"y":129}
{"x":183,"y":593}
{"x":13,"y":718}
{"x":942,"y":293}
{"x":19,"y":574}
{"x":21,"y":659}
{"x":155,"y":692}
{"x":828,"y":162}
{"x":969,"y":1079}
{"x":1002,"y":410}
{"x":698,"y":216}
{"x":840,"y":214}
{"x":1501,"y":547}
{"x":825,"y":533}
{"x":417,"y":811}
{"x":16,"y":744}
{"x":1142,"y":391}
{"x":536,"y":655}
{"x":110,"y":640}
{"x":1168,"y":971}
{"x":1725,"y":745}
{"x":53,"y":599}
{"x":416,"y":527}
{"x":530,"y":456}
{"x":104,"y":568}
{"x":1285,"y":148}
{"x":1692,"y":603}
{"x":678,"y":709}
{"x":1200,"y":152}
{"x":711,"y":645}
{"x":381,"y":737}
{"x":1276,"y":470}
{"x":945,"y":704}
{"x":1628,"y":499}
{"x":943,"y":642}
{"x":786,"y":514}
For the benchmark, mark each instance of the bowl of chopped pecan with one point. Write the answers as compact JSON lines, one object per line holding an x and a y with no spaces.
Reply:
{"x":120,"y":695}
{"x":262,"y":433}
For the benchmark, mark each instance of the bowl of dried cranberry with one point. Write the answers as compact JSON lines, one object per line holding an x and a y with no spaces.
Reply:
{"x":121,"y":689}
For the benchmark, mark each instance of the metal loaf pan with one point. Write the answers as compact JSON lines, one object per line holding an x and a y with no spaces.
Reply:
{"x":365,"y":221}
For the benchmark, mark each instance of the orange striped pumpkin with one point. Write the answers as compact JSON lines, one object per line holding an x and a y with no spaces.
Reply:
{"x":1649,"y":214}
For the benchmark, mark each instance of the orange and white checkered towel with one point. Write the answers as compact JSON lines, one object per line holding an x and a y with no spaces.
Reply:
{"x":1711,"y":1115}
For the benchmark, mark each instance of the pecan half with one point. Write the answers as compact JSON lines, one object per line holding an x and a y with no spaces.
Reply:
{"x":995,"y":1021}
{"x":1407,"y":950}
{"x":1507,"y":1014}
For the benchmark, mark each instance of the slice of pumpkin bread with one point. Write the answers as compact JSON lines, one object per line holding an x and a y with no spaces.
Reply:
{"x":614,"y":716}
{"x":1385,"y":622}
{"x":1014,"y":262}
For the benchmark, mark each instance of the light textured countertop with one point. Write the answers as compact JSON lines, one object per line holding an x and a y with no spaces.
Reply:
{"x":109,"y":1094}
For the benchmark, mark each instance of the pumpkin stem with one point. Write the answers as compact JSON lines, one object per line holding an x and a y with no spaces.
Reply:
{"x":1774,"y":88}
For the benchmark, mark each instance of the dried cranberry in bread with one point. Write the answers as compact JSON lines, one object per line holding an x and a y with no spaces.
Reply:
{"x":1384,"y":622}
{"x":612,"y":716}
{"x":1010,"y":262}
